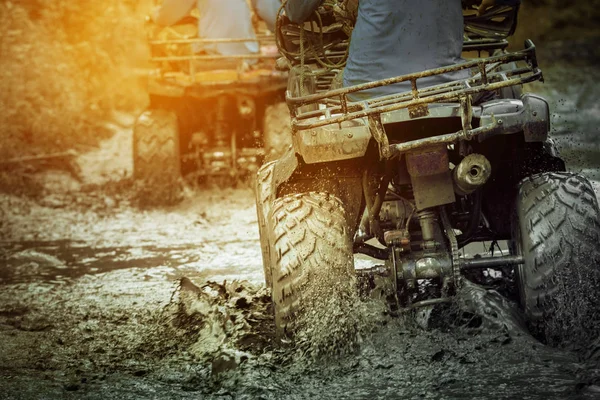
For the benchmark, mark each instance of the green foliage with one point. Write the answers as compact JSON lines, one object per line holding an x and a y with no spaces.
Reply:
{"x":64,"y":66}
{"x":558,"y":20}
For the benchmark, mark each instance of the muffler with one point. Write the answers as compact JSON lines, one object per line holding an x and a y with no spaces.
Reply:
{"x":472,"y":172}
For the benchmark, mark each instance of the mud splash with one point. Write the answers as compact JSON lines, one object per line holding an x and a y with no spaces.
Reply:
{"x":232,"y":316}
{"x":335,"y":320}
{"x":234,"y":320}
{"x":450,"y":355}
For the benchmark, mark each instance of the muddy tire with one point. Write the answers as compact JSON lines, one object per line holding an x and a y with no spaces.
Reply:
{"x":277,"y":131}
{"x":312,"y":257}
{"x":263,"y":196}
{"x":156,"y":147}
{"x":558,"y":234}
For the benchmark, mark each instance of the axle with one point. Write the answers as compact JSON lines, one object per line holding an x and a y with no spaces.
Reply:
{"x":429,"y":267}
{"x":491,"y":262}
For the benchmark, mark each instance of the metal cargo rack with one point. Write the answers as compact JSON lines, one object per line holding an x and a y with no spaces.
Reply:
{"x":339,"y":108}
{"x":335,"y":107}
{"x":188,"y":59}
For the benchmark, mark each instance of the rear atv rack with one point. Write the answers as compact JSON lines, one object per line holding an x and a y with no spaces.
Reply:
{"x":262,"y":39}
{"x":335,"y":107}
{"x":187,"y":61}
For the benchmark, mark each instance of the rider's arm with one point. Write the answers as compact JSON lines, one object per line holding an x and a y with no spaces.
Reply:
{"x":172,"y":11}
{"x":299,"y":11}
{"x":267,"y":11}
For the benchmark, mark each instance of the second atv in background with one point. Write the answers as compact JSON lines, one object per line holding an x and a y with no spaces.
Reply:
{"x":211,"y":116}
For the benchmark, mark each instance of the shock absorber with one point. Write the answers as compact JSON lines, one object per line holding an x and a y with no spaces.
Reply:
{"x":428,"y":222}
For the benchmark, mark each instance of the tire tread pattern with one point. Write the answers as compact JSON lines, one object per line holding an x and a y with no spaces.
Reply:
{"x":309,"y":236}
{"x":156,"y":146}
{"x":559,"y":222}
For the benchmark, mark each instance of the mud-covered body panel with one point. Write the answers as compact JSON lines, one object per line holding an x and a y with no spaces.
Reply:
{"x":528,"y":116}
{"x":333,"y":142}
{"x":258,"y":83}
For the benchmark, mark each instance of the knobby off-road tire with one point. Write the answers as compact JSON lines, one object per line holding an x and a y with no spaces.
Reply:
{"x":156,"y":159}
{"x":312,"y":260}
{"x":263,"y":196}
{"x":156,"y":147}
{"x":277,"y":130}
{"x":558,"y":234}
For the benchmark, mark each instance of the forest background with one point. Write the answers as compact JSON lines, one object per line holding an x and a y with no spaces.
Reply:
{"x":66,"y":67}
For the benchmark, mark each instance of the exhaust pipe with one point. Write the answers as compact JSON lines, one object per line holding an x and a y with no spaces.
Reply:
{"x":472,"y":172}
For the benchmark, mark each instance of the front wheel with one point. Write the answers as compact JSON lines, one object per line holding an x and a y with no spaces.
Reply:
{"x":557,"y":231}
{"x":312,"y":261}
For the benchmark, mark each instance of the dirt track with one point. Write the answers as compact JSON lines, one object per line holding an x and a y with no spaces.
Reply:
{"x":90,"y":305}
{"x":89,"y":316}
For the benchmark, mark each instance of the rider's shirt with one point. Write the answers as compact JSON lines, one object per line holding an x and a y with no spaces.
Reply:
{"x":227,"y":19}
{"x":397,"y":37}
{"x":218,"y":19}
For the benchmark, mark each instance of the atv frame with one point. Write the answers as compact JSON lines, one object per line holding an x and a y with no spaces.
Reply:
{"x":356,"y":127}
{"x":411,"y":179}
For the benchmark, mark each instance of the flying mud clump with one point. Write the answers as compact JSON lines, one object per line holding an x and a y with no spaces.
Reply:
{"x":221,"y":324}
{"x":335,"y":320}
{"x":229,"y":323}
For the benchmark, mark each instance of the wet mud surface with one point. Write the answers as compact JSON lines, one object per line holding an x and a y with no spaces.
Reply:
{"x":572,"y":91}
{"x":111,"y":302}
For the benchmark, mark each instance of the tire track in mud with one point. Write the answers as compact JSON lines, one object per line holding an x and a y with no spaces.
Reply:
{"x":212,"y":234}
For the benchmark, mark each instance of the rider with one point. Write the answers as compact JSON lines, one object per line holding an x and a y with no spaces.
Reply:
{"x":398,"y":37}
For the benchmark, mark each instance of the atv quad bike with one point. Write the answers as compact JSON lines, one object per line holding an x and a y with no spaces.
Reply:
{"x":209,"y":115}
{"x":413,"y":178}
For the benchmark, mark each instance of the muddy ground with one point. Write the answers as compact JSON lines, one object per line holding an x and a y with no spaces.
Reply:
{"x":101,"y":300}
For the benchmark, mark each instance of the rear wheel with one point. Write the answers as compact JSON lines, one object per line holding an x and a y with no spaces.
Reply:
{"x":156,"y":146}
{"x":558,"y":233}
{"x":311,"y":259}
{"x":156,"y":158}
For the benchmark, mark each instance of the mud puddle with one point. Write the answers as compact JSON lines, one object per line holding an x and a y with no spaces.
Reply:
{"x":148,"y":332}
{"x":64,"y":261}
